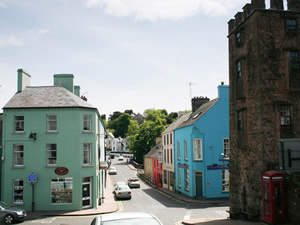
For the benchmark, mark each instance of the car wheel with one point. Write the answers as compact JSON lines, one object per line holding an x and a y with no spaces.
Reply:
{"x":8,"y":219}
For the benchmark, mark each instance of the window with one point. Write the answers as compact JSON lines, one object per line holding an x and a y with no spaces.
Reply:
{"x":87,"y":124}
{"x":19,"y":155}
{"x":171,"y":139}
{"x":168,"y":155}
{"x":226,"y":147}
{"x":18,"y":191}
{"x":185,"y":150}
{"x":197,"y":149}
{"x":87,"y":156}
{"x":290,"y":24}
{"x":171,"y":157}
{"x":62,"y":190}
{"x":178,"y":150}
{"x":225,"y":180}
{"x":186,"y":175}
{"x":51,"y":154}
{"x":239,"y":69}
{"x":240,"y":120}
{"x":294,"y":61}
{"x":51,"y":123}
{"x":179,"y":177}
{"x":165,"y":156}
{"x":165,"y":177}
{"x":160,"y":157}
{"x":238,"y":38}
{"x":285,"y":115}
{"x":19,"y":124}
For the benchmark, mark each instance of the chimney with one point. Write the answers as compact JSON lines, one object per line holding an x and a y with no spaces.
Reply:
{"x":258,"y":4}
{"x":276,"y":4}
{"x":64,"y":80}
{"x":223,"y":91}
{"x":77,"y":90}
{"x":198,"y":101}
{"x":24,"y":80}
{"x":293,"y":5}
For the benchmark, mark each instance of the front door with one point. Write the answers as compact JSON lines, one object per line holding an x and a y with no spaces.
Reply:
{"x":199,"y":184}
{"x":86,"y":192}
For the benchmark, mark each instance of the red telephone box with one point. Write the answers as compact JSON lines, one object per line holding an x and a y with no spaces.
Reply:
{"x":274,"y":208}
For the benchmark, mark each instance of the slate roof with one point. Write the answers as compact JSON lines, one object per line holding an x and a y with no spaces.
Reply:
{"x":177,"y":123}
{"x":198,"y":113}
{"x":153,"y":153}
{"x":46,"y":97}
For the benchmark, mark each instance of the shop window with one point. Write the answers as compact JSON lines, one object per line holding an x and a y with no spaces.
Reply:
{"x":62,"y":190}
{"x":187,"y":179}
{"x":197,"y":149}
{"x":18,"y":155}
{"x":18,"y":191}
{"x":51,"y":154}
{"x":87,"y":155}
{"x":285,"y":115}
{"x":87,"y":124}
{"x":51,"y":123}
{"x":225,"y":180}
{"x":179,"y":177}
{"x":19,"y":124}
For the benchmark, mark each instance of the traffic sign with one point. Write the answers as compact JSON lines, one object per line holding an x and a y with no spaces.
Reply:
{"x":32,"y":178}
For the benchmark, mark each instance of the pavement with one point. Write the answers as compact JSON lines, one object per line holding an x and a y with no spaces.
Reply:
{"x":110,"y":205}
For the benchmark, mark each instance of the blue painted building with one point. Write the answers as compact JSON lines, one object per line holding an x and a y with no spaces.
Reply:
{"x":201,"y":146}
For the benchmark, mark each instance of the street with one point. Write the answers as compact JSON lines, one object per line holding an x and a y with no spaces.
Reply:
{"x":147,"y":199}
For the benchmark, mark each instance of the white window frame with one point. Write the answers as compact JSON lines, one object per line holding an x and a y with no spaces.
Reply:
{"x":19,"y":122}
{"x":185,"y":150}
{"x":51,"y":123}
{"x":178,"y":150}
{"x":18,"y":155}
{"x":225,"y":180}
{"x":87,"y":123}
{"x":87,"y":154}
{"x":226,"y":147}
{"x":18,"y":193}
{"x":51,"y":154}
{"x":61,"y":190}
{"x":197,"y":149}
{"x":285,"y":115}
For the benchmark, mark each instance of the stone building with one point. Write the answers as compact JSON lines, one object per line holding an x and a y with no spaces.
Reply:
{"x":264,"y":85}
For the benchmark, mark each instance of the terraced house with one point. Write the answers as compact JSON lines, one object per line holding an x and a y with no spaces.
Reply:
{"x":53,"y":147}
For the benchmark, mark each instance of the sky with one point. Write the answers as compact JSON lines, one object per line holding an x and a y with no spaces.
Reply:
{"x":124,"y":54}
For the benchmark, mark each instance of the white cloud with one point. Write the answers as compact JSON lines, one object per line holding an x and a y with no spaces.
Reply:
{"x":163,"y":9}
{"x":21,"y":39}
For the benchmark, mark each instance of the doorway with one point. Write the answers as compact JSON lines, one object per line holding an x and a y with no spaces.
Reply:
{"x":199,"y":184}
{"x":86,"y":192}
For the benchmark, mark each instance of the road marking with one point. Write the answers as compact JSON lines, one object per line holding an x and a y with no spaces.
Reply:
{"x":187,"y":215}
{"x":139,"y":193}
{"x":44,"y":221}
{"x":121,"y":208}
{"x":179,"y":222}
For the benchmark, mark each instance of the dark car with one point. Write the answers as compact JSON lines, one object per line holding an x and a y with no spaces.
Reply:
{"x":126,"y":218}
{"x":10,"y":215}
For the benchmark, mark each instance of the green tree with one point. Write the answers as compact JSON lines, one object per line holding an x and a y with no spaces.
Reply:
{"x":145,"y":140}
{"x":132,"y":133}
{"x":156,"y":115}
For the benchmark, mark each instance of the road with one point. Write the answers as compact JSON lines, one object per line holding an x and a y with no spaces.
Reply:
{"x":169,"y":210}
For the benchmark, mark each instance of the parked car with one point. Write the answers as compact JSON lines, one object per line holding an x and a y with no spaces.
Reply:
{"x":127,"y":218}
{"x":112,"y":170}
{"x":123,"y":191}
{"x":121,"y":158}
{"x":133,"y":182}
{"x":10,"y":215}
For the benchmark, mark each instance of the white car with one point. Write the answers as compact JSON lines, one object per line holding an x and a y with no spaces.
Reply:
{"x":133,"y":182}
{"x":119,"y":183}
{"x":123,"y":191}
{"x":112,"y":170}
{"x":121,"y":158}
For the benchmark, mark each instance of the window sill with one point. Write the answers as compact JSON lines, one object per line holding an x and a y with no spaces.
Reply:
{"x":52,"y":132}
{"x":19,"y":132}
{"x":18,"y":167}
{"x":18,"y":204}
{"x":198,"y":160}
{"x":51,"y":166}
{"x":225,"y":192}
{"x":87,"y":132}
{"x":188,"y":190}
{"x":88,"y":165}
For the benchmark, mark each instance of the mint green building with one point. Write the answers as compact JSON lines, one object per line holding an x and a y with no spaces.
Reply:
{"x":53,"y":155}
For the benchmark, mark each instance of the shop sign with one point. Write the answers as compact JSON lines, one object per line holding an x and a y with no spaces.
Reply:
{"x":61,"y":171}
{"x":218,"y":167}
